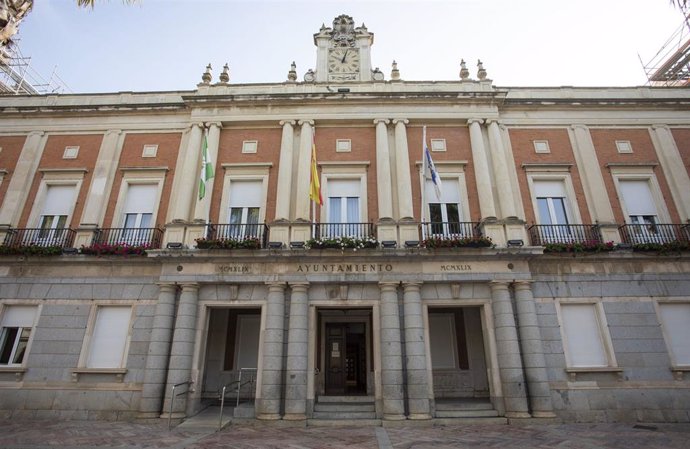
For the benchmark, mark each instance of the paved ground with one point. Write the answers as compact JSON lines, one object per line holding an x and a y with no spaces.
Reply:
{"x":100,"y":434}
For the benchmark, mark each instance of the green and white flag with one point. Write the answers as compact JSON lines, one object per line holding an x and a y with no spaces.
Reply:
{"x":206,"y":169}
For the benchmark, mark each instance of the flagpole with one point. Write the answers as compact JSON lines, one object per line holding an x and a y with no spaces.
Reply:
{"x":421,"y":175}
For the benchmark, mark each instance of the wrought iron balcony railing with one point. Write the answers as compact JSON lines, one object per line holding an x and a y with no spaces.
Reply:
{"x":153,"y":237}
{"x":63,"y":238}
{"x":333,"y":230}
{"x":654,"y":233}
{"x":449,"y":230}
{"x":239,"y":232}
{"x":584,"y":233}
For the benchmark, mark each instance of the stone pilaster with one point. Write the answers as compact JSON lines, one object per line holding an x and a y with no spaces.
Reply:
{"x":391,"y":353}
{"x":402,"y":170}
{"x":500,"y":166}
{"x":593,"y":182}
{"x":285,"y":170}
{"x":383,"y":170}
{"x":298,"y":339}
{"x":532,"y":352}
{"x":202,"y":208}
{"x":153,"y":389}
{"x":182,"y":349}
{"x":188,"y":178}
{"x":415,"y":354}
{"x":508,"y":352}
{"x":674,"y":169}
{"x":481,"y":170}
{"x":270,"y":381}
{"x":304,"y":171}
{"x":22,"y":178}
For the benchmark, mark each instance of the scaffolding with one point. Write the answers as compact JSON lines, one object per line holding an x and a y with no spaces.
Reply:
{"x":18,"y":77}
{"x":671,"y":65}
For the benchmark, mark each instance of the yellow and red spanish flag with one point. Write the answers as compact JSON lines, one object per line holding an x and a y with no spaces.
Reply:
{"x":315,"y":185}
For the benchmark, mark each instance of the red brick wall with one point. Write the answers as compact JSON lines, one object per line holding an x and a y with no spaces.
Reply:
{"x":522,"y":142}
{"x":168,"y":148}
{"x":89,"y":145}
{"x":682,"y":138}
{"x":11,"y":149}
{"x":643,"y":152}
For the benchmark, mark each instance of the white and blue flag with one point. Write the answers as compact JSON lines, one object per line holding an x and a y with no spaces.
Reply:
{"x":429,"y":169}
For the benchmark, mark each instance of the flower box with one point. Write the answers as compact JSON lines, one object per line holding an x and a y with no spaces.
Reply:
{"x":245,"y":243}
{"x":342,"y":243}
{"x":466,"y":242}
{"x":579,"y":247}
{"x":115,"y":249}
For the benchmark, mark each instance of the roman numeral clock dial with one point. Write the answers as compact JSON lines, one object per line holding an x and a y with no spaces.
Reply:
{"x":343,"y":64}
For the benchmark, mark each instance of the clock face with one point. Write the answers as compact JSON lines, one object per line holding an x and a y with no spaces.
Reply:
{"x":343,"y":61}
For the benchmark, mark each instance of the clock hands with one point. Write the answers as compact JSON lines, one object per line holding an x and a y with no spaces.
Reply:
{"x":344,"y":56}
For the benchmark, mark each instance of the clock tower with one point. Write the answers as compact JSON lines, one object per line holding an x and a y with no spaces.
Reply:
{"x":343,"y":53}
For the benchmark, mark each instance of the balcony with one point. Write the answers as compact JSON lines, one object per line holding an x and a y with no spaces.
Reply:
{"x":238,"y":232}
{"x":541,"y":235}
{"x":654,"y":233}
{"x":151,"y":237}
{"x":450,"y":230}
{"x":62,"y":238}
{"x":333,"y":230}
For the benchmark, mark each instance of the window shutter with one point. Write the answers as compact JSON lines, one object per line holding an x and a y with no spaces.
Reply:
{"x":549,"y":189}
{"x":676,"y":322}
{"x":141,"y":198}
{"x":450,"y":193}
{"x":19,"y":316}
{"x":582,"y":331}
{"x":245,"y":194}
{"x":107,"y":346}
{"x":637,"y":197}
{"x":59,"y":200}
{"x":343,"y":188}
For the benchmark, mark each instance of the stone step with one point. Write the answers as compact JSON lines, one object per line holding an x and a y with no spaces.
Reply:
{"x":244,"y":410}
{"x":466,"y":413}
{"x":362,"y":399}
{"x":339,"y":416}
{"x":466,"y":421}
{"x":343,"y":422}
{"x":464,"y":405}
{"x":344,"y":407}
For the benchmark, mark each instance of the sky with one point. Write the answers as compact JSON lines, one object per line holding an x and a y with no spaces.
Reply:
{"x":160,"y":45}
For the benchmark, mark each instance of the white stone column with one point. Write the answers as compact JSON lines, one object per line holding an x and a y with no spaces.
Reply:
{"x":593,"y":182}
{"x":384,"y":184}
{"x":182,"y":350}
{"x":532,"y":352}
{"x":22,"y":179}
{"x":402,"y":170}
{"x":189,"y":177}
{"x":153,"y":389}
{"x":303,"y":171}
{"x":415,"y":353}
{"x":298,"y":339}
{"x":270,"y":388}
{"x":500,"y":166}
{"x":202,"y":209}
{"x":508,"y":352}
{"x":674,"y":168}
{"x":391,"y":353}
{"x":285,"y":171}
{"x":481,"y":170}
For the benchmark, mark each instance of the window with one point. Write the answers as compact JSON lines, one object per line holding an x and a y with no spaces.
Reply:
{"x":109,"y":337}
{"x":249,"y":146}
{"x":15,"y":331}
{"x":585,"y":340}
{"x":343,"y":208}
{"x":445,"y":214}
{"x":149,"y":151}
{"x":541,"y":146}
{"x":675,"y":322}
{"x":553,"y":211}
{"x":639,"y":205}
{"x":245,"y":209}
{"x":138,"y":214}
{"x":623,"y":146}
{"x":58,"y":204}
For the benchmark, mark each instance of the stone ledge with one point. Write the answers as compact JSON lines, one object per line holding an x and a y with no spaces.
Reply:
{"x":118,"y":372}
{"x":573,"y":372}
{"x":18,"y":371}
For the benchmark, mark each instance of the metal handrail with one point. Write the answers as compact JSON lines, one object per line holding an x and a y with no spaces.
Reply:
{"x":239,"y":389}
{"x":173,"y":396}
{"x":222,"y":403}
{"x":239,"y":379}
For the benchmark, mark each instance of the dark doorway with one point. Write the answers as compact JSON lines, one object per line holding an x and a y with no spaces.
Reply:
{"x":346,"y":358}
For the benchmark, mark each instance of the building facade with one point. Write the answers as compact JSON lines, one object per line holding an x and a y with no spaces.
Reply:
{"x":547,"y":277}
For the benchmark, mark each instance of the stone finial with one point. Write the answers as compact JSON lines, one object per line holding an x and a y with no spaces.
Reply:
{"x":225,"y":75}
{"x":395,"y":73}
{"x":207,"y":77}
{"x":464,"y":73}
{"x":481,"y":72}
{"x":292,"y":74}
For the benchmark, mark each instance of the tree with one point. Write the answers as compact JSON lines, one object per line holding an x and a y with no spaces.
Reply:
{"x":92,"y":3}
{"x":11,"y":14}
{"x":681,"y":4}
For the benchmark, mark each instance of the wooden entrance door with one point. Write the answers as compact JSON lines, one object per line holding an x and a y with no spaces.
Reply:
{"x":335,"y":358}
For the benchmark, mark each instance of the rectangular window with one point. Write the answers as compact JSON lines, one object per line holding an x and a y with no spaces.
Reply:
{"x":58,"y":204}
{"x":343,"y":208}
{"x":445,"y":214}
{"x":245,"y":210}
{"x":623,"y":146}
{"x":109,"y":337}
{"x":138,"y":214}
{"x":250,"y":146}
{"x":541,"y":146}
{"x":15,"y":331}
{"x":641,"y":209}
{"x":584,"y":341}
{"x":675,"y":319}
